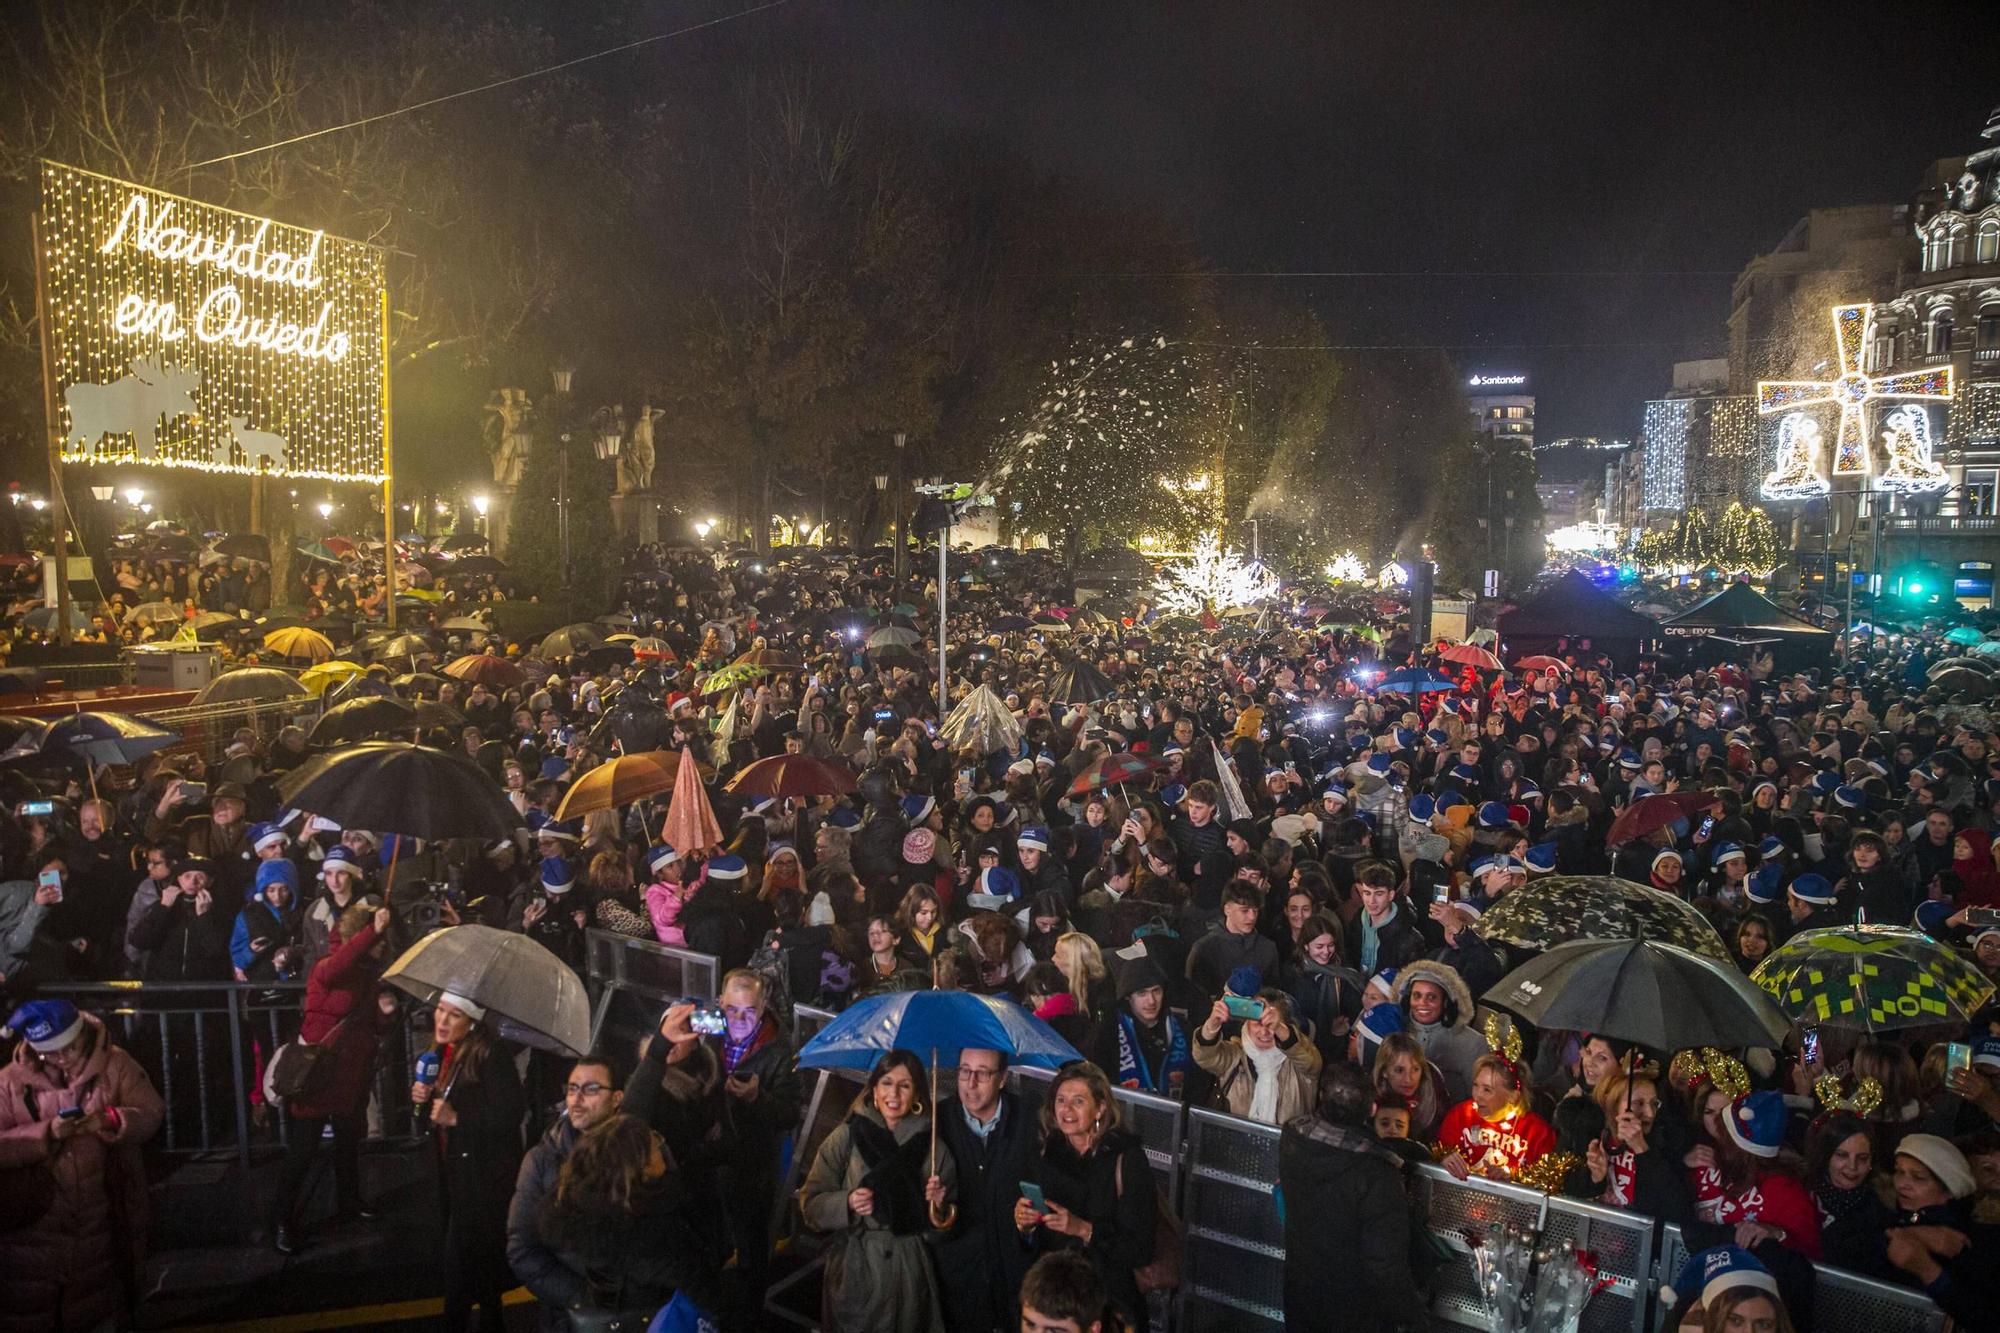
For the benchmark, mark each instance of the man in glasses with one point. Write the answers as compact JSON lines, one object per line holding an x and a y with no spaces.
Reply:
{"x":981,"y":1261}
{"x":724,"y":1103}
{"x":591,"y":1096}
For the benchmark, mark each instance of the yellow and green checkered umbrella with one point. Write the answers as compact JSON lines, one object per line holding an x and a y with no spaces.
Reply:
{"x":1872,"y":979}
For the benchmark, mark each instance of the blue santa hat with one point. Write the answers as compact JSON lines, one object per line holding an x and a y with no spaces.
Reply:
{"x":1492,"y":815}
{"x":338,"y":857}
{"x":1728,"y":852}
{"x":1763,"y":886}
{"x":1773,"y":845}
{"x":1814,"y":889}
{"x":557,"y":878}
{"x":727,"y":866}
{"x":1824,"y":783}
{"x":1173,"y":794}
{"x":1932,"y":916}
{"x":1465,"y":772}
{"x":1541,"y":859}
{"x":917,"y":807}
{"x":1756,"y":1121}
{"x":261,"y":835}
{"x":1630,"y":759}
{"x":1849,"y":798}
{"x":1438,"y":736}
{"x":1422,"y":807}
{"x":1404,"y":737}
{"x":1035,"y":837}
{"x":843,"y":818}
{"x":999,"y":882}
{"x":1708,"y":1274}
{"x":562,"y":830}
{"x":46,"y":1025}
{"x":1245,"y":980}
{"x":661,"y":857}
{"x":1377,"y":1023}
{"x":1379,"y":764}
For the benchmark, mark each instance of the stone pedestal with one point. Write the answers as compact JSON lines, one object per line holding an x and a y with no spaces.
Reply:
{"x":499,"y":509}
{"x":637,"y":516}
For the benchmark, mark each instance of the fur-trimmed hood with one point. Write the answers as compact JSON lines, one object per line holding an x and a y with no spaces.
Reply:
{"x":1440,"y":975}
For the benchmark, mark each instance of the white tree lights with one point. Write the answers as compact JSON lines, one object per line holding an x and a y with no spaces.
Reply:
{"x":1212,"y":579}
{"x":1802,"y":468}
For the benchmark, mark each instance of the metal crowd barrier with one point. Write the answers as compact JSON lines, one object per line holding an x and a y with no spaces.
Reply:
{"x":204,"y":1045}
{"x":1233,"y":1251}
{"x":1843,"y":1302}
{"x":207,"y":729}
{"x":635,"y":979}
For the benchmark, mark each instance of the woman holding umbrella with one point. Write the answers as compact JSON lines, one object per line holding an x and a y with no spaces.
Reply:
{"x":879,"y":1184}
{"x":475,"y":1105}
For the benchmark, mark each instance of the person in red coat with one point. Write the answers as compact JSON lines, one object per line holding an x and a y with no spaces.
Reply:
{"x":1493,"y":1133}
{"x":347,"y":1010}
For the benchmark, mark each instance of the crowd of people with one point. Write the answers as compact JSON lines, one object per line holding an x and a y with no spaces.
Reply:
{"x":1228,"y":869}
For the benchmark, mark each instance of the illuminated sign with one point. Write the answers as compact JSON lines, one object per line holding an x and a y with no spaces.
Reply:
{"x":1497,"y":381}
{"x":186,"y":335}
{"x":1802,"y":466}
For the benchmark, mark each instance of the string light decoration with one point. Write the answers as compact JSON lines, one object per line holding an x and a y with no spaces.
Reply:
{"x":1213,"y":579}
{"x":1851,"y":391}
{"x":1974,"y":422}
{"x":1746,"y":542}
{"x":186,"y":335}
{"x":1347,"y":567}
{"x":1665,"y":440}
{"x":1906,"y":439}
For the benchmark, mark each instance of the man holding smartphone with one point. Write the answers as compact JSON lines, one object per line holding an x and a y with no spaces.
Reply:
{"x":981,"y":1261}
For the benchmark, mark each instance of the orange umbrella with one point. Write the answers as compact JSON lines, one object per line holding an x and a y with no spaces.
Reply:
{"x":297,"y":641}
{"x":691,"y":825}
{"x":620,"y":782}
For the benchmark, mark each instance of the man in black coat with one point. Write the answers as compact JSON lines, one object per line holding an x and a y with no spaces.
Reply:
{"x":992,"y":1138}
{"x":1347,"y":1219}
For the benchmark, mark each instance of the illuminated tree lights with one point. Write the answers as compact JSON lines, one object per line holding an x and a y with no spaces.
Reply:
{"x":186,"y":335}
{"x":1802,"y":467}
{"x":1347,"y":567}
{"x":1213,"y":579}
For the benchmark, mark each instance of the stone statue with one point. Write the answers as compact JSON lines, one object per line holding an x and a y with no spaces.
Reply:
{"x":635,"y":460}
{"x":506,"y":432}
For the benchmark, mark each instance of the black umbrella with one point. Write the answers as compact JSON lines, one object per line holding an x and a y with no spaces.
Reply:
{"x":637,"y":723}
{"x":570,"y":640}
{"x":1660,"y":996}
{"x":406,"y":645}
{"x":1004,"y":624}
{"x":358,"y":687}
{"x":398,"y":787}
{"x":246,"y":545}
{"x":463,"y":541}
{"x":420,"y":683}
{"x":1080,"y":683}
{"x":361,"y":717}
{"x":108,"y":738}
{"x":245,"y":684}
{"x":474,"y":564}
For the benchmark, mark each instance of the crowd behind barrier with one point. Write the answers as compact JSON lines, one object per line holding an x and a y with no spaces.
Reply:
{"x":1220,"y":1172}
{"x":206,"y":1042}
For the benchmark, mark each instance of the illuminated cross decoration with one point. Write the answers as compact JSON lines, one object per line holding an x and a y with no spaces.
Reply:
{"x":1853,"y":390}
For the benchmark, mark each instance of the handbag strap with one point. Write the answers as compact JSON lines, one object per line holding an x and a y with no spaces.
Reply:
{"x":331,"y":1032}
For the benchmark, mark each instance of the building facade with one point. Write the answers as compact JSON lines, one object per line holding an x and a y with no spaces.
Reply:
{"x":1700,"y":444}
{"x":1502,"y":404}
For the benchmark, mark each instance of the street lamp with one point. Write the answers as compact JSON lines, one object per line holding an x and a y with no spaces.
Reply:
{"x":135,"y":497}
{"x":325,"y":508}
{"x":701,"y":529}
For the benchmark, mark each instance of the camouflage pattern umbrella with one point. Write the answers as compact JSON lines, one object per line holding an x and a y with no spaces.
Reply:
{"x":1872,"y":979}
{"x":1561,"y":908}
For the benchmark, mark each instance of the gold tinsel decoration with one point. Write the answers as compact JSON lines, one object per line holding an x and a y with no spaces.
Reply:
{"x":1501,"y":1041}
{"x":1865,"y":1102}
{"x":1724,"y":1071}
{"x":1546,"y":1173}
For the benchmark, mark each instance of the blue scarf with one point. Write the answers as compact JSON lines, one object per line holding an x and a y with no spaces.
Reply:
{"x":1132,"y":1065}
{"x":1371,"y":939}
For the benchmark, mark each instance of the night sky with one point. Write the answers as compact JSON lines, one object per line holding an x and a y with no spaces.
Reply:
{"x":1564,"y":190}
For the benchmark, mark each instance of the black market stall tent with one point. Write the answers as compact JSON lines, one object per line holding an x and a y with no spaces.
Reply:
{"x":1734,"y":623}
{"x":1570,"y":611}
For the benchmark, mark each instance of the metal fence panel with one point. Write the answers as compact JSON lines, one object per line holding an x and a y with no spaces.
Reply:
{"x":635,"y":979}
{"x":1843,"y":1302}
{"x":1233,"y":1257}
{"x":1462,"y":1209}
{"x":1622,"y":1244}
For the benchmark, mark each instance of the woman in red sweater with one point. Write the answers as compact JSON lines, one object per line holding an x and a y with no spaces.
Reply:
{"x":1493,"y":1133}
{"x":1746,"y":1182}
{"x":347,"y":1010}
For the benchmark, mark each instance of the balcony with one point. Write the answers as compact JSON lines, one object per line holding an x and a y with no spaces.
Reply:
{"x":1968,"y":525}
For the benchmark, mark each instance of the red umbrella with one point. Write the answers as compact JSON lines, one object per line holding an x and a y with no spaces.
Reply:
{"x":1111,"y":771}
{"x":1656,"y":812}
{"x":784,"y":775}
{"x":1467,"y":654}
{"x":1542,"y":662}
{"x":495,"y":673}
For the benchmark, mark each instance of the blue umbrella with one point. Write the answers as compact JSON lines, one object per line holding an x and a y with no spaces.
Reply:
{"x":1410,"y":680}
{"x":943,"y":1021}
